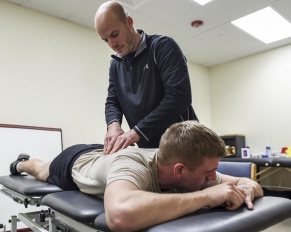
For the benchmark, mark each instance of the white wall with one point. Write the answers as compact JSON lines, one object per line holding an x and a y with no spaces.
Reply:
{"x":252,"y":96}
{"x":52,"y":74}
{"x":200,"y":83}
{"x":55,"y":74}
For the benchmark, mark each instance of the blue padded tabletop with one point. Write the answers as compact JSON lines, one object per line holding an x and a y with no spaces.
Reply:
{"x":28,"y":185}
{"x":75,"y":204}
{"x":268,"y":211}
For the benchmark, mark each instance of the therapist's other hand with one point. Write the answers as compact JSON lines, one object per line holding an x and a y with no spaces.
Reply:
{"x":124,"y":140}
{"x":113,"y":131}
{"x":116,"y":139}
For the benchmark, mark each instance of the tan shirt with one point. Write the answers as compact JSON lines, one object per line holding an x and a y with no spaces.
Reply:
{"x":93,"y":171}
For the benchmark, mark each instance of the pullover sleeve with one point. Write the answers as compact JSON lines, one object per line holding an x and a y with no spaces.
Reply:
{"x":113,"y":111}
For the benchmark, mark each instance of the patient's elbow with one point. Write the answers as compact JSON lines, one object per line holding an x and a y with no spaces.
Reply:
{"x":119,"y":220}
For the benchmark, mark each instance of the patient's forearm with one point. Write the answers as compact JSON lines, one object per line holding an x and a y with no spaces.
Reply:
{"x":141,"y":209}
{"x":130,"y":209}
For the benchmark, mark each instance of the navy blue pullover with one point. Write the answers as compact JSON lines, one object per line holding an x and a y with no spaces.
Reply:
{"x":150,"y":88}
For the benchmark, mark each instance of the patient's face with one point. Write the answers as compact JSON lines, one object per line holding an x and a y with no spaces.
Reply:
{"x":194,"y":180}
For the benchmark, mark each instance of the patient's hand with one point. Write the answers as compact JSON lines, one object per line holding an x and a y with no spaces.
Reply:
{"x":249,"y":192}
{"x":250,"y":188}
{"x":226,"y":193}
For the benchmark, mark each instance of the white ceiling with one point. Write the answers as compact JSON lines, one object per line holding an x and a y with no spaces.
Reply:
{"x":216,"y":42}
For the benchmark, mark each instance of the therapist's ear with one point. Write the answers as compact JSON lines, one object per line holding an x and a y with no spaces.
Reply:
{"x":129,"y":20}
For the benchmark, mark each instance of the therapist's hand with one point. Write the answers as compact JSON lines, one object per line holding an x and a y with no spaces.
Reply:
{"x":124,"y":140}
{"x":113,"y":131}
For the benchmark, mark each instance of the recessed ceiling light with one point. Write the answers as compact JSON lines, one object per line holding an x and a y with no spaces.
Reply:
{"x":266,"y":25}
{"x":202,"y":2}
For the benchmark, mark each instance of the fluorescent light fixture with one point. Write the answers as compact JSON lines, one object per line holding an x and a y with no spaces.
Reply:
{"x":202,"y":2}
{"x":266,"y":25}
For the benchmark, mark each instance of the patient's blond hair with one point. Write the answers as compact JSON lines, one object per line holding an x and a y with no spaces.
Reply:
{"x":189,"y":142}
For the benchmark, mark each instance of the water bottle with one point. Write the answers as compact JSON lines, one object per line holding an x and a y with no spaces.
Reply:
{"x":268,"y":152}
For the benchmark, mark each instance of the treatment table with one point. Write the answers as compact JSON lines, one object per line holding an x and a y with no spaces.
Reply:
{"x":75,"y":211}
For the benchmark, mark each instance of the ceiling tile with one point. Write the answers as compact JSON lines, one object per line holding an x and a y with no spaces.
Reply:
{"x":87,"y":9}
{"x":215,"y":42}
{"x":234,"y":9}
{"x":210,"y":21}
{"x":85,"y":13}
{"x":283,"y":7}
{"x":222,"y":34}
{"x":176,"y":34}
{"x":144,"y":22}
{"x":165,"y":10}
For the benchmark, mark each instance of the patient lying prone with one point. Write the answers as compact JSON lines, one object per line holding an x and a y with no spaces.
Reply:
{"x":133,"y":181}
